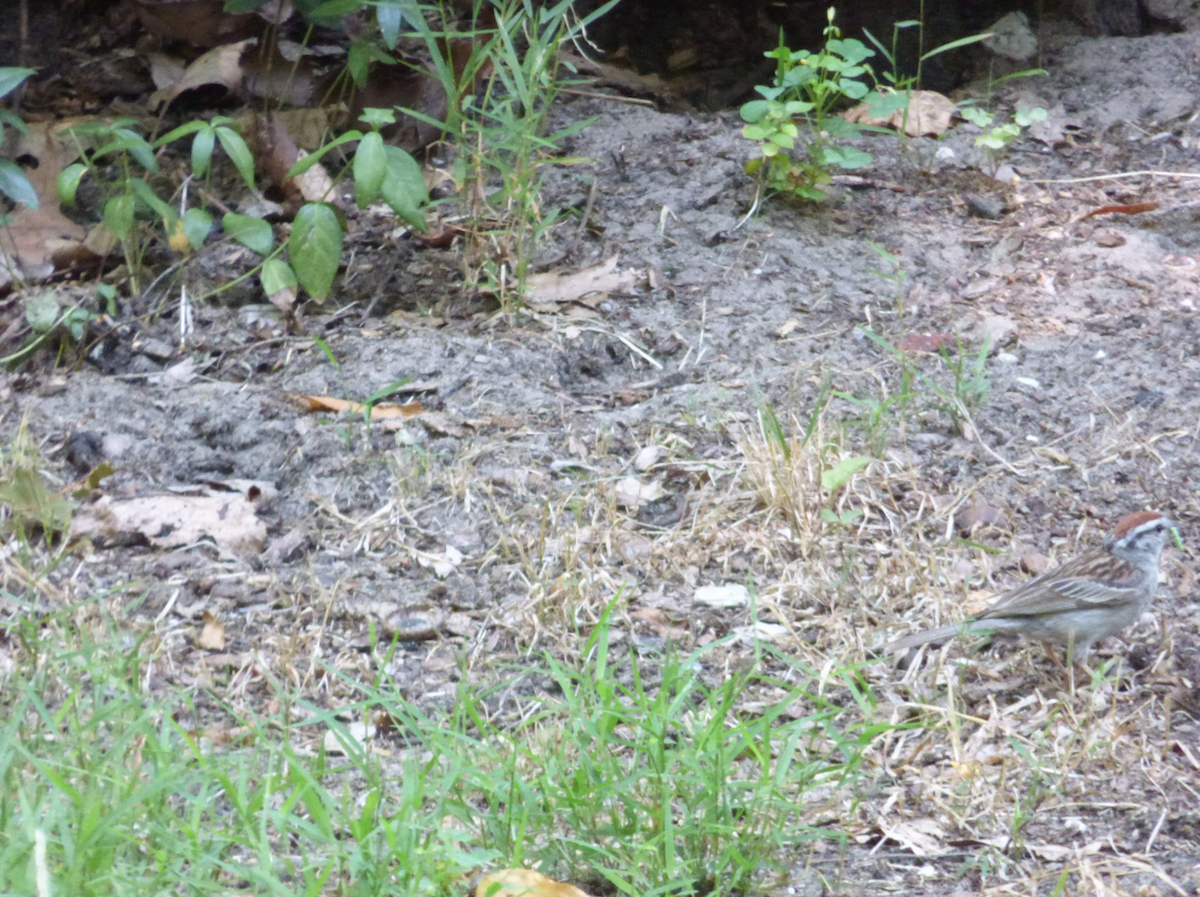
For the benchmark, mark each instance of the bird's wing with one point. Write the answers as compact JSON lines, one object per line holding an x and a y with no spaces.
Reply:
{"x":1076,"y":585}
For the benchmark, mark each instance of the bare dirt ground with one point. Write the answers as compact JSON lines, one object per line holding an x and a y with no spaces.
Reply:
{"x":491,"y":526}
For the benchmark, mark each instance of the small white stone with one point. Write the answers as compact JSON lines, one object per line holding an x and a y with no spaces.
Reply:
{"x":648,"y":457}
{"x":730,"y":595}
{"x":1030,"y":382}
{"x":1100,"y":355}
{"x":944,"y":154}
{"x":1032,"y":438}
{"x":1007,"y":358}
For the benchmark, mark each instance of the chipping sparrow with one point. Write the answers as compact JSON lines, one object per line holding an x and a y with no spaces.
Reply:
{"x":1085,"y":600}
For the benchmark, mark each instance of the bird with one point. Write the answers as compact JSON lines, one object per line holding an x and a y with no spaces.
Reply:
{"x":1077,"y":604}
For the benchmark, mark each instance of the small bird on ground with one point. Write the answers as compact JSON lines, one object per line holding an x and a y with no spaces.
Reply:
{"x":1085,"y":600}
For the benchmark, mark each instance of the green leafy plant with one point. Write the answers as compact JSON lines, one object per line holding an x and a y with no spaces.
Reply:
{"x":894,"y":89}
{"x":969,"y":390}
{"x":896,"y":274}
{"x":130,"y":201}
{"x":314,"y":246}
{"x":13,"y":182}
{"x":997,"y":136}
{"x":29,"y":507}
{"x":971,"y":384}
{"x":500,"y":88}
{"x":642,"y":769}
{"x":380,"y":171}
{"x":808,"y":86}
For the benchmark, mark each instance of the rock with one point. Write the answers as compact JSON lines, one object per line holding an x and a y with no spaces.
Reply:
{"x":1012,"y":38}
{"x":985,"y":205}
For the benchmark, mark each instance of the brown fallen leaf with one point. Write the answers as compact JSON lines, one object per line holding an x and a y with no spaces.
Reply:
{"x":929,"y":113}
{"x":220,"y":65}
{"x":204,"y":23}
{"x":1133,"y":208}
{"x":212,"y":634}
{"x":379,"y":411}
{"x":37,"y":242}
{"x":524,"y":883}
{"x":171,"y":521}
{"x":546,"y":291}
{"x":926,"y":342}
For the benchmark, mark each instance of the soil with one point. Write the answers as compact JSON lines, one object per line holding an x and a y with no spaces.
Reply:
{"x":1077,"y":343}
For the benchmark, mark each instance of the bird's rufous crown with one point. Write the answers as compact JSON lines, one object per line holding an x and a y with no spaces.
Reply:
{"x":1132,"y":521}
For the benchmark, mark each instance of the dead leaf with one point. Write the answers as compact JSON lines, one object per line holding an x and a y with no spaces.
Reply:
{"x":924,"y":837}
{"x":284,"y":76}
{"x":632,"y":493}
{"x":171,"y":521}
{"x":928,"y":114}
{"x":444,"y":564}
{"x":524,"y":883}
{"x":212,"y":634}
{"x":204,"y":23}
{"x":37,"y":242}
{"x":926,"y":342}
{"x":284,"y":300}
{"x":358,"y":732}
{"x":1133,"y":208}
{"x":546,"y":291}
{"x":220,"y":65}
{"x":975,"y":514}
{"x":379,"y":411}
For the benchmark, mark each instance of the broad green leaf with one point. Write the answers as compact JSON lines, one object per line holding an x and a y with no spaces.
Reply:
{"x":41,"y":311}
{"x":336,"y":8}
{"x":370,"y":167}
{"x":315,"y":248}
{"x":754,"y":111}
{"x":11,"y":77}
{"x":250,"y":232}
{"x":881,"y":105}
{"x":202,"y":150}
{"x":404,"y":187}
{"x":277,"y":275}
{"x":303,"y":165}
{"x":183,"y":130}
{"x":373,"y":115}
{"x":12,"y":120}
{"x":138,"y":148}
{"x":146,"y":194}
{"x":68,"y":182}
{"x":976,"y":116}
{"x":855,"y":90}
{"x":15,"y":185}
{"x":390,"y":17}
{"x":118,"y":215}
{"x":235,"y":147}
{"x":1025,"y":116}
{"x":197,"y":224}
{"x":842,"y":472}
{"x":76,"y":322}
{"x":358,"y":62}
{"x":847,"y":157}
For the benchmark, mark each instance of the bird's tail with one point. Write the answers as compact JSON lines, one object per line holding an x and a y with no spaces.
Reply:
{"x":916,"y":639}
